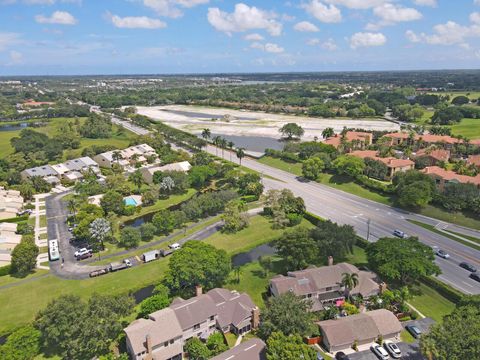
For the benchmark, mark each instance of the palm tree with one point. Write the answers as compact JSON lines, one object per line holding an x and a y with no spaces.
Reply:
{"x":328,"y":132}
{"x":72,"y":206}
{"x":136,"y":178}
{"x":237,"y":270}
{"x":117,"y":156}
{"x":230,"y":145}
{"x":223,"y":145}
{"x":349,"y":281}
{"x":206,"y":134}
{"x":240,"y":154}
{"x":216,"y":141}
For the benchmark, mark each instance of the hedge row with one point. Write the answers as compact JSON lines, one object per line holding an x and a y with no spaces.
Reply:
{"x":443,"y":289}
{"x":375,"y":184}
{"x":314,"y":219}
{"x":15,"y":219}
{"x":5,"y":270}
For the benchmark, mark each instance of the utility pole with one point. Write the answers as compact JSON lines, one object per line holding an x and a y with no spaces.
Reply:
{"x":368,"y":229}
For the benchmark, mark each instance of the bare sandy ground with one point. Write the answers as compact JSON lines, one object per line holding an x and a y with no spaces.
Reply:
{"x":249,"y":123}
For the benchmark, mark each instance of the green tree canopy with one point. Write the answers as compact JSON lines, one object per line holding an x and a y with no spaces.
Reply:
{"x":312,"y":168}
{"x":112,"y":201}
{"x":402,"y":260}
{"x":456,"y":337}
{"x":288,"y":314}
{"x":349,"y":165}
{"x":22,"y":344}
{"x":129,"y":237}
{"x":292,"y":130}
{"x":197,"y":263}
{"x":196,"y":349}
{"x":24,"y":257}
{"x":281,"y":347}
{"x":297,"y":248}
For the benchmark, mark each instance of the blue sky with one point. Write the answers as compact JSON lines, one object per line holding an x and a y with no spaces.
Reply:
{"x":52,"y":37}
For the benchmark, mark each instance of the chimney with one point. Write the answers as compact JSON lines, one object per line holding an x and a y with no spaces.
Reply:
{"x":149,"y":348}
{"x":330,"y":260}
{"x":382,"y":287}
{"x":198,"y":290}
{"x":255,"y":317}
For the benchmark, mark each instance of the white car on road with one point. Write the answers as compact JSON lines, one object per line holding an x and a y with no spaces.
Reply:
{"x":82,"y":251}
{"x":443,"y":254}
{"x":174,"y":246}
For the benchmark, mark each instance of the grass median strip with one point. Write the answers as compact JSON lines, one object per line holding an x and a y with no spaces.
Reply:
{"x":444,"y":233}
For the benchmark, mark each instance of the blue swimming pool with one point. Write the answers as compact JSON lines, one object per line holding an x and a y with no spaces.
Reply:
{"x":130,"y":201}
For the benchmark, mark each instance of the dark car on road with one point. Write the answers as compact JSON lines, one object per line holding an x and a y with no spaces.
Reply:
{"x":341,"y":356}
{"x":468,"y":267}
{"x":414,"y":330}
{"x":475,"y":277}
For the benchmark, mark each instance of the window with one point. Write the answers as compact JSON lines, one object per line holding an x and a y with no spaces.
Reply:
{"x":212,"y":317}
{"x":172,"y":341}
{"x":212,"y":327}
{"x":328,"y":288}
{"x":165,"y":343}
{"x":196,"y":327}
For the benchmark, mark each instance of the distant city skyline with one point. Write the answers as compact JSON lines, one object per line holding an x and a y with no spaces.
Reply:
{"x":87,"y":37}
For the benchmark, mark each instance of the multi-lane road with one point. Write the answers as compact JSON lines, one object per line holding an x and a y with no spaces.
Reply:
{"x":344,"y":208}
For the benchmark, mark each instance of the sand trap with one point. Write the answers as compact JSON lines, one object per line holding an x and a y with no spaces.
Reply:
{"x":249,"y":123}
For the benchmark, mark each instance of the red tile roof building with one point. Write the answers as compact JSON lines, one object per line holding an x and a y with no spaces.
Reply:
{"x":474,"y":160}
{"x":394,"y":165}
{"x":350,"y":136}
{"x":443,"y":177}
{"x":434,"y":155}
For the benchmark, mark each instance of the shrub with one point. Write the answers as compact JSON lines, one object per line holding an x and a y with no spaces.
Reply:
{"x":5,"y":270}
{"x":294,"y":219}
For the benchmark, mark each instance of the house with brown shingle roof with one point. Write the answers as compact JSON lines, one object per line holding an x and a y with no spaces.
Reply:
{"x":163,"y":335}
{"x":350,"y":136}
{"x":322,"y":285}
{"x":443,"y":177}
{"x":393,"y":164}
{"x":428,"y":139}
{"x":340,"y":334}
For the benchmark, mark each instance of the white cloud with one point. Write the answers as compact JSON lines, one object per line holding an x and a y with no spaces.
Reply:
{"x":172,"y":8}
{"x":431,"y":3}
{"x":40,"y":2}
{"x":475,"y":17}
{"x":330,"y":45}
{"x":253,"y":37}
{"x":268,"y":47}
{"x":449,"y":33}
{"x":322,"y":12}
{"x":58,"y":17}
{"x":313,"y":42}
{"x":8,"y":39}
{"x":390,"y":13}
{"x":476,"y":2}
{"x":357,"y":4}
{"x":136,"y":22}
{"x":244,"y":18}
{"x":412,"y":37}
{"x":16,"y":58}
{"x":367,"y":39}
{"x":305,"y":26}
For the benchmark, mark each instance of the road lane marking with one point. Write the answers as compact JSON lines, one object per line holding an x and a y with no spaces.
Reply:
{"x":467,"y":284}
{"x":455,"y":285}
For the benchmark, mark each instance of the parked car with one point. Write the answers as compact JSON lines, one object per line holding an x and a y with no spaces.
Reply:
{"x":380,"y":352}
{"x":414,"y":330}
{"x":468,"y":267}
{"x":392,"y":349}
{"x":319,"y":356}
{"x":174,"y":246}
{"x":166,"y":252}
{"x":117,"y":266}
{"x":341,"y":356}
{"x":443,"y":254}
{"x":82,"y":251}
{"x":128,"y":262}
{"x":84,"y":256}
{"x":399,"y":234}
{"x":24,"y":212}
{"x":475,"y":277}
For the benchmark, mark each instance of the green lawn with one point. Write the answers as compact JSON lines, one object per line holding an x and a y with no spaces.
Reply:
{"x":294,"y":168}
{"x":425,"y":119}
{"x":461,"y":219}
{"x":477,"y":240}
{"x":120,"y":139}
{"x":407,"y":337}
{"x":258,"y":232}
{"x":430,"y":303}
{"x":472,"y":95}
{"x":469,"y":128}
